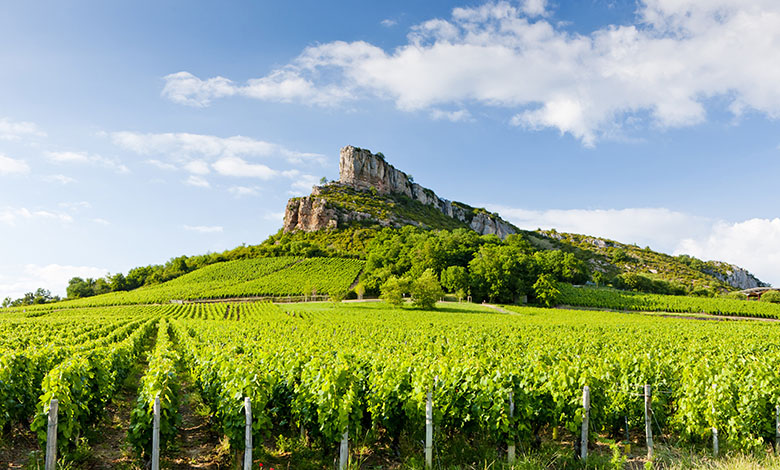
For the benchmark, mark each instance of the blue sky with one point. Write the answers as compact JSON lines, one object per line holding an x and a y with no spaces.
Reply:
{"x":134,"y":132}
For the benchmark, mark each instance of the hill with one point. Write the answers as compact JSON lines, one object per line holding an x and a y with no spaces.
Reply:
{"x":398,"y":228}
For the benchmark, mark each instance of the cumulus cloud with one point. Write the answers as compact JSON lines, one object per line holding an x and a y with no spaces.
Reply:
{"x":660,"y":71}
{"x":83,"y":158}
{"x":198,"y":181}
{"x":12,"y":166}
{"x":15,"y":130}
{"x":182,"y":148}
{"x":15,"y":281}
{"x":659,"y":228}
{"x":13,"y":215}
{"x":460,"y":115}
{"x":203,"y":228}
{"x":752,"y":244}
{"x":235,"y":166}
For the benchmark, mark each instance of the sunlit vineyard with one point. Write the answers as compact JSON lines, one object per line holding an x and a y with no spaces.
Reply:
{"x":260,"y":277}
{"x":637,"y":301}
{"x":367,"y":368}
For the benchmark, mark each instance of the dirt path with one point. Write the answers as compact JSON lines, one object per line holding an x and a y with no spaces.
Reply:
{"x":110,"y":448}
{"x":198,"y":446}
{"x":19,"y":448}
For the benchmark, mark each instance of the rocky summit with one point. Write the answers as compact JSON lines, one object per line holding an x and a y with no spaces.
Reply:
{"x":372,"y":191}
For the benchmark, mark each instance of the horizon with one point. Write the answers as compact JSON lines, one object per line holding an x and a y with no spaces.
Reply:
{"x":134,"y":133}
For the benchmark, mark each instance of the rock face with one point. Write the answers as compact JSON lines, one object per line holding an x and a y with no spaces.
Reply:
{"x":309,"y":214}
{"x":362,"y":170}
{"x":737,"y":277}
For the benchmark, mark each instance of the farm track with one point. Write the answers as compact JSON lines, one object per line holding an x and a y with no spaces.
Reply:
{"x":198,"y":445}
{"x":110,"y":449}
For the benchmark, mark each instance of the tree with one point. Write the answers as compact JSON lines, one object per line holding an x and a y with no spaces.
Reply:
{"x":360,"y":289}
{"x":771,"y":296}
{"x":546,"y":290}
{"x":392,"y":291}
{"x":426,"y":290}
{"x":78,"y":287}
{"x":599,"y":278}
{"x":455,"y":278}
{"x":7,"y":302}
{"x":337,"y":295}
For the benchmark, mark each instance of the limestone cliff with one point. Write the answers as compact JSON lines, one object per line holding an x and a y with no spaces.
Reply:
{"x":735,"y":276}
{"x":368,"y":177}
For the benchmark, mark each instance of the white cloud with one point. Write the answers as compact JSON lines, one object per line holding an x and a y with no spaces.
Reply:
{"x":11,"y":166}
{"x":284,"y":85}
{"x":460,"y":115}
{"x":203,"y":228}
{"x":62,"y":179}
{"x":100,"y":221}
{"x":659,"y":228}
{"x":753,"y":244}
{"x":184,"y":147}
{"x":240,"y":191}
{"x":15,"y":130}
{"x":234,"y":166}
{"x":185,"y":88}
{"x":15,"y":281}
{"x":197,"y":181}
{"x":661,"y":71}
{"x":83,"y":158}
{"x":388,"y":23}
{"x":11,"y":216}
{"x":68,"y":157}
{"x":198,"y":167}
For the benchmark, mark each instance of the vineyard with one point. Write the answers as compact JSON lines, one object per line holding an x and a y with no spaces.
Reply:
{"x":637,"y":301}
{"x":259,"y":277}
{"x":319,"y":370}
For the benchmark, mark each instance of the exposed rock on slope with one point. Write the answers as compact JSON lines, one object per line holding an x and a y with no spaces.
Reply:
{"x":736,"y":276}
{"x":371,"y":175}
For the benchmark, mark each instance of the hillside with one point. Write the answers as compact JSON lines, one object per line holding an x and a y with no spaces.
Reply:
{"x":372,"y":194}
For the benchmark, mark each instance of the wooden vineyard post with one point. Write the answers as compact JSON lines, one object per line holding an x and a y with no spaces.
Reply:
{"x":649,"y":421}
{"x":51,"y":435}
{"x":248,"y":434}
{"x":777,"y":429}
{"x":156,"y":434}
{"x":429,"y":431}
{"x":715,"y":444}
{"x":344,"y":451}
{"x":510,"y":452}
{"x":585,"y":422}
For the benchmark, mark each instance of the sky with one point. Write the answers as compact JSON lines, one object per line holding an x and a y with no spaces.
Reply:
{"x":134,"y":132}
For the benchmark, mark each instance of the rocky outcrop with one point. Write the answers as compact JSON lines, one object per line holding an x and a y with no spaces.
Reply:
{"x":361,"y":169}
{"x":736,"y":276}
{"x":309,"y":214}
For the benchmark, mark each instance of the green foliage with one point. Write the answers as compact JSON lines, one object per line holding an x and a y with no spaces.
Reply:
{"x":546,"y":290}
{"x":393,"y":290}
{"x":623,"y":300}
{"x":771,"y":296}
{"x":455,"y":278}
{"x":337,"y":295}
{"x":426,"y":290}
{"x":160,"y":380}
